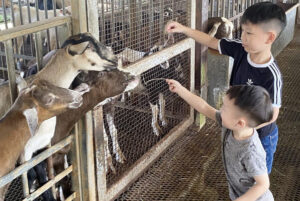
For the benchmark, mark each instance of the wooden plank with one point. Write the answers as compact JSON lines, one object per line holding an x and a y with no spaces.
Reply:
{"x":100,"y":153}
{"x":75,"y":158}
{"x":90,"y":156}
{"x":93,"y":25}
{"x":157,"y":58}
{"x":79,"y":16}
{"x":33,"y":27}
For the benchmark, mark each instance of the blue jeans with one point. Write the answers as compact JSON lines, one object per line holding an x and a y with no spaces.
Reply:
{"x":269,"y":143}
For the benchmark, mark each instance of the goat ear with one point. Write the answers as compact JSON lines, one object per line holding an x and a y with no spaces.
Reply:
{"x":21,"y":83}
{"x":78,"y":48}
{"x":32,"y":120}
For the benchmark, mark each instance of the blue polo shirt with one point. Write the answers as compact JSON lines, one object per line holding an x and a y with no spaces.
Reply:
{"x":245,"y":71}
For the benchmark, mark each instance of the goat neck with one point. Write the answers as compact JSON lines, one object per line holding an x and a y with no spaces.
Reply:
{"x":63,"y":65}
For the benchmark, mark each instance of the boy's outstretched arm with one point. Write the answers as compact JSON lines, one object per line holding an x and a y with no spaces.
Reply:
{"x":195,"y":101}
{"x":198,"y":36}
{"x":260,"y":187}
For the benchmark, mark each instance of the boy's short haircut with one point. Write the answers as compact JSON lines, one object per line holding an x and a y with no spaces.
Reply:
{"x":267,"y":13}
{"x":254,"y":101}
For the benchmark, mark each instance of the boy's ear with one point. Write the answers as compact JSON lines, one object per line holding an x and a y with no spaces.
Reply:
{"x":271,"y":37}
{"x":242,"y":123}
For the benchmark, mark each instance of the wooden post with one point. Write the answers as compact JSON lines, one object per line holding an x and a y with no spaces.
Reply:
{"x":79,"y":16}
{"x":201,"y":55}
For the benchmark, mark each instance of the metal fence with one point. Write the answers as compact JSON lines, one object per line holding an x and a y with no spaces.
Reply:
{"x":134,"y":29}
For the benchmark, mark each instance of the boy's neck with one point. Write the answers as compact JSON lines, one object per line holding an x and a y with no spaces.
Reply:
{"x":243,"y":134}
{"x":261,"y":57}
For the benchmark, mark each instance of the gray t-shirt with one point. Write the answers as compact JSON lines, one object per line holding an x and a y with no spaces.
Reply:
{"x":242,"y":159}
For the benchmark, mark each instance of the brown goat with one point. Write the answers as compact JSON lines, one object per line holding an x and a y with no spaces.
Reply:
{"x":36,"y":103}
{"x":102,"y":85}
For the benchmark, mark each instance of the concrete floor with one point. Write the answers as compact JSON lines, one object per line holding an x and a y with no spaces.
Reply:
{"x":191,"y":169}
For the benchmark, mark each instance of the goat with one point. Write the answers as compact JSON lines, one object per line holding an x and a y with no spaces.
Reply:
{"x":80,"y":52}
{"x":103,"y":85}
{"x":220,"y":27}
{"x":36,"y":103}
{"x":100,"y":60}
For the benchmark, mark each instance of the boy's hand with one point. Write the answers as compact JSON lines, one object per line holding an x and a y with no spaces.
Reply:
{"x":174,"y":85}
{"x":175,"y":27}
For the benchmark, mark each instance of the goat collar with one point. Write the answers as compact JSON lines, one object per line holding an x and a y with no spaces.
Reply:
{"x":32,"y":120}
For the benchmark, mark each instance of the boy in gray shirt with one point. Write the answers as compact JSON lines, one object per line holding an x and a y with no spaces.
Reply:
{"x":244,"y":107}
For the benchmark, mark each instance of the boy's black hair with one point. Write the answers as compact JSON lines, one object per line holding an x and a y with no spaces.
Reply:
{"x":265,"y":12}
{"x":254,"y":101}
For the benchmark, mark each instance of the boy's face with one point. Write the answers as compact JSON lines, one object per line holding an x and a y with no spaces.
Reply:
{"x":232,"y":117}
{"x":254,"y":38}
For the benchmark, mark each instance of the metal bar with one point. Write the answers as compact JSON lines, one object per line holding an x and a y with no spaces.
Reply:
{"x":223,"y":8}
{"x":157,"y":58}
{"x":212,"y":8}
{"x":51,"y":173}
{"x":38,"y":50}
{"x":228,"y":7}
{"x":30,"y":35}
{"x":18,"y":56}
{"x":140,"y":22}
{"x":90,"y":156}
{"x":103,"y":23}
{"x":4,"y":12}
{"x":33,"y":27}
{"x":11,"y":70}
{"x":112,"y":22}
{"x":48,"y":185}
{"x":151,"y":23}
{"x":147,"y":159}
{"x":100,"y":154}
{"x":22,"y":22}
{"x":34,"y":161}
{"x":161,"y":22}
{"x":25,"y":184}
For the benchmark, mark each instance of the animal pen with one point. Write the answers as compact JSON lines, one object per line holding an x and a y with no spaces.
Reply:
{"x":134,"y":30}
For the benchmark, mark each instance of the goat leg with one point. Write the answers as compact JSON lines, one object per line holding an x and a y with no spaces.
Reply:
{"x":114,"y":136}
{"x":156,"y":128}
{"x":162,"y":114}
{"x":108,"y":158}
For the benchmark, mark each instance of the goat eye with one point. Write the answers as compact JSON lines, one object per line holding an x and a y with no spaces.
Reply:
{"x":93,"y":64}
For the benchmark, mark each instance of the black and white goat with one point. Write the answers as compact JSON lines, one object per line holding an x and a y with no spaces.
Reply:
{"x":220,"y":27}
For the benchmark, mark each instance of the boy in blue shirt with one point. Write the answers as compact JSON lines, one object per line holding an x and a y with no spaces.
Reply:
{"x":253,"y":64}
